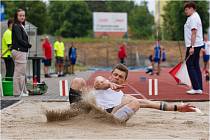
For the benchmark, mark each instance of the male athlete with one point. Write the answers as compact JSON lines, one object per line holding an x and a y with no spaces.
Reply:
{"x":110,"y":98}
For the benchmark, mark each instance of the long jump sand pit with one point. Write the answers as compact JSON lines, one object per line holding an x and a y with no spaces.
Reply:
{"x":27,"y":120}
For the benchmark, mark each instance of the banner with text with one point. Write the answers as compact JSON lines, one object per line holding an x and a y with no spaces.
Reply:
{"x":109,"y":22}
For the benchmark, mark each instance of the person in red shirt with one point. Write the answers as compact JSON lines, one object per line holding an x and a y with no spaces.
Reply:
{"x":122,"y":53}
{"x":47,"y":53}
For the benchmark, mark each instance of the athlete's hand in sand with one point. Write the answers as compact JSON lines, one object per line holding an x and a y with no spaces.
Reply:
{"x":187,"y":108}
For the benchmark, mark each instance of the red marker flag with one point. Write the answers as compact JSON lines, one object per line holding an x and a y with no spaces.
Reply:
{"x":174,"y":70}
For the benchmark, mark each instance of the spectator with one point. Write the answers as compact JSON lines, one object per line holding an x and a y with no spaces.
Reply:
{"x":72,"y":57}
{"x":193,"y":35}
{"x":163,"y":55}
{"x":6,"y":50}
{"x":157,"y":57}
{"x":206,"y":54}
{"x":20,"y":48}
{"x":59,"y":56}
{"x":47,"y":53}
{"x":122,"y":53}
{"x":150,"y":67}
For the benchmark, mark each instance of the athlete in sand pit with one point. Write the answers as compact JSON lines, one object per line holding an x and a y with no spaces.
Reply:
{"x":110,"y":98}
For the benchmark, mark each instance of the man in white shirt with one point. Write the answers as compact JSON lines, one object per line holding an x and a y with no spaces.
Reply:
{"x":110,"y":98}
{"x":193,"y":36}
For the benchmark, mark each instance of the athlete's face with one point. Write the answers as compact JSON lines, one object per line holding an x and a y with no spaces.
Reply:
{"x":118,"y":77}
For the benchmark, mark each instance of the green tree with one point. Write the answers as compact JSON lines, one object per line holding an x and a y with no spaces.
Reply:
{"x":78,"y":20}
{"x":120,"y":6}
{"x":56,"y":16}
{"x":174,"y":19}
{"x":74,"y":20}
{"x":97,"y":6}
{"x":10,"y":9}
{"x":36,"y":12}
{"x":141,"y":22}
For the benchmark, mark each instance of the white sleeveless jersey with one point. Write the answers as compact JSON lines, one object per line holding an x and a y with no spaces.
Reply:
{"x":108,"y":98}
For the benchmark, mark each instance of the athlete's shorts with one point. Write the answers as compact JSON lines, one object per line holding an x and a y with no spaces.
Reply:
{"x":47,"y":62}
{"x":59,"y":60}
{"x":157,"y":60}
{"x":206,"y":58}
{"x":73,"y":61}
{"x":74,"y":96}
{"x":109,"y":110}
{"x":163,"y":60}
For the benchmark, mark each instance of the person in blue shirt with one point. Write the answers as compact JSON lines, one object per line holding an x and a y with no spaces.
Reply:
{"x":72,"y":57}
{"x":163,"y":56}
{"x":157,"y":57}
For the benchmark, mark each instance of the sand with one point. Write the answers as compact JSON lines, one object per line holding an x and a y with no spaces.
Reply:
{"x":27,"y":120}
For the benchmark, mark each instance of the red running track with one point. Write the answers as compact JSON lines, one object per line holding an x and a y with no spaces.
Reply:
{"x":168,"y":90}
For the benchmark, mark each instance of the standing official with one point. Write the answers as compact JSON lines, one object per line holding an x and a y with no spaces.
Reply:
{"x":193,"y":35}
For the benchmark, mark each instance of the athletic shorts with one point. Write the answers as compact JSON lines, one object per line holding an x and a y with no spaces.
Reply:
{"x":206,"y":58}
{"x":109,"y":110}
{"x":163,"y":59}
{"x":157,"y":60}
{"x":74,"y":96}
{"x":73,"y":61}
{"x":47,"y":62}
{"x":59,"y":60}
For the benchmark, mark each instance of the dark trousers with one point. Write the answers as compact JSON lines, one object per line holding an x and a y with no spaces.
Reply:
{"x":122,"y":61}
{"x":9,"y":64}
{"x":193,"y":68}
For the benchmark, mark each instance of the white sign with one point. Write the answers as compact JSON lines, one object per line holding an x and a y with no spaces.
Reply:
{"x":109,"y":22}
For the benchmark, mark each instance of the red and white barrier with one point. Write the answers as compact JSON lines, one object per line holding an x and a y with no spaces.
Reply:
{"x":153,"y":87}
{"x":64,"y":89}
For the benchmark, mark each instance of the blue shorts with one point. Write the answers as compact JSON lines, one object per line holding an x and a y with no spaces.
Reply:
{"x":157,"y":60}
{"x":73,"y":61}
{"x":206,"y":58}
{"x":47,"y":62}
{"x":163,"y":59}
